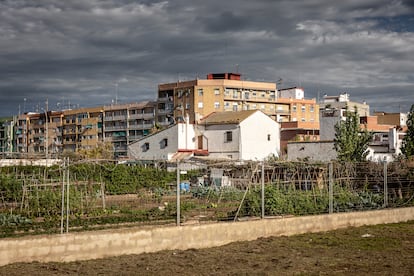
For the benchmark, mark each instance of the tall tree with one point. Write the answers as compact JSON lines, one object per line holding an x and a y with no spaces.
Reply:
{"x":351,"y":142}
{"x":407,"y":147}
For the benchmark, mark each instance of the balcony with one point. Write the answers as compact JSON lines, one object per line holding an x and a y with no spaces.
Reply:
{"x":136,"y":116}
{"x":140,"y":126}
{"x":115,"y":118}
{"x":115,"y":128}
{"x":148,"y":116}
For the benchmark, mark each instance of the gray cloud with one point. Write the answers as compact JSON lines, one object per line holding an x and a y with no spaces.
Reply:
{"x":75,"y":51}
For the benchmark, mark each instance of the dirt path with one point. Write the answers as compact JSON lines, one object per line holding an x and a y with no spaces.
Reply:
{"x":372,"y":250}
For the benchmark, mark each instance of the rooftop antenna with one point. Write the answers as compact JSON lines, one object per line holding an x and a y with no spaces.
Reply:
{"x":116,"y":93}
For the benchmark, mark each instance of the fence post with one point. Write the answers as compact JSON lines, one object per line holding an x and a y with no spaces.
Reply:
{"x":385,"y":184}
{"x":263,"y":192}
{"x":178,"y":194}
{"x":63,"y":195}
{"x":330,"y":188}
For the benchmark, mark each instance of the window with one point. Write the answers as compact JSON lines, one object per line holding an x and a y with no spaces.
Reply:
{"x":303,"y":108}
{"x":268,"y":137}
{"x":164,"y":143}
{"x":216,"y":105}
{"x":228,"y":136}
{"x":145,"y":146}
{"x":303,"y":119}
{"x":294,"y":108}
{"x":200,"y":91}
{"x":226,"y":105}
{"x":227,"y":91}
{"x":200,"y":104}
{"x":246,"y":95}
{"x":187,"y":106}
{"x":216,"y":91}
{"x":235,"y":94}
{"x":235,"y":107}
{"x":262,"y":107}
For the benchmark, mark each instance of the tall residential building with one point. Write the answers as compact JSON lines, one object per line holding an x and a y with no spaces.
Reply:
{"x":219,"y":92}
{"x":298,"y":116}
{"x":38,"y":133}
{"x":228,"y":92}
{"x":81,"y":128}
{"x":21,"y":131}
{"x":125,"y":123}
{"x":7,"y":135}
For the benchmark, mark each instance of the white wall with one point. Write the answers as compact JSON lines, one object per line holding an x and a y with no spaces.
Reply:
{"x":254,"y":137}
{"x":294,"y":93}
{"x":187,"y":139}
{"x":156,"y":151}
{"x":217,"y":147}
{"x":180,"y":137}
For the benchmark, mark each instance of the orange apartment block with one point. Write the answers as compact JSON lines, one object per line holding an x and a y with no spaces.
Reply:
{"x":228,"y":92}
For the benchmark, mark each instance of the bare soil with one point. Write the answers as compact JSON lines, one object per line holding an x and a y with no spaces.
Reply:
{"x":372,"y":250}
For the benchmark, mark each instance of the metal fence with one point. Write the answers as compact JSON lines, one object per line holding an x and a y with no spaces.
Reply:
{"x":202,"y":193}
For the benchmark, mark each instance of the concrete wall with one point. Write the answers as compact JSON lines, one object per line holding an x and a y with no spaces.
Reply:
{"x":314,"y":151}
{"x":29,"y":162}
{"x":107,"y":243}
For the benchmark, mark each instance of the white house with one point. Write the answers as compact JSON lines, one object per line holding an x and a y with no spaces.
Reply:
{"x":165,"y":144}
{"x":241,"y":135}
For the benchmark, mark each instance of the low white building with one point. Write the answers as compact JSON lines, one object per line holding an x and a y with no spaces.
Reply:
{"x":165,"y":144}
{"x":242,"y":135}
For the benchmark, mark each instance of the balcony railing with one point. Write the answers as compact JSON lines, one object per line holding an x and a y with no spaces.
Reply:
{"x":115,"y":128}
{"x":140,"y":126}
{"x":115,"y":118}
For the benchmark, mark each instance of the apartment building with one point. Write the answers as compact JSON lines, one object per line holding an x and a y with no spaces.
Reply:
{"x":81,"y":128}
{"x":38,"y":133}
{"x":7,"y":135}
{"x":126,"y":123}
{"x":332,"y":110}
{"x":219,"y":92}
{"x":21,"y":133}
{"x":228,"y":92}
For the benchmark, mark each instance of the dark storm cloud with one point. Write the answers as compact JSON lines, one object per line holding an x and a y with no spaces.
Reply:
{"x":76,"y":51}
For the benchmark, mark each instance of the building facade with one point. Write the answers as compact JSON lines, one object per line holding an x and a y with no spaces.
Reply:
{"x":239,"y":135}
{"x":219,"y":92}
{"x":126,"y":123}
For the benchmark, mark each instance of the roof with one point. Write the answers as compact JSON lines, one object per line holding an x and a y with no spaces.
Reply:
{"x":227,"y":117}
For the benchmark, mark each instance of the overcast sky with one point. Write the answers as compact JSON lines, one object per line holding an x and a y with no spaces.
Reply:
{"x":89,"y":53}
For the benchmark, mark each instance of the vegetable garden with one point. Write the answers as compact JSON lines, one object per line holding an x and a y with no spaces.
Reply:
{"x":81,"y":196}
